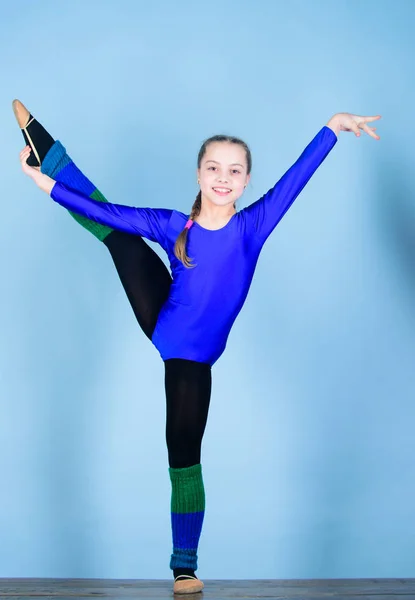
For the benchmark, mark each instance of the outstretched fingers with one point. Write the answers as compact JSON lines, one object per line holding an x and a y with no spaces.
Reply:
{"x":362,"y":124}
{"x":370,"y":131}
{"x":370,"y":119}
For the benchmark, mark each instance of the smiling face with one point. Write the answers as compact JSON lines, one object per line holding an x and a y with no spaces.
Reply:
{"x":223,"y":173}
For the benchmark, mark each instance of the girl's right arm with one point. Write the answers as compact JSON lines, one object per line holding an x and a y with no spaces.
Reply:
{"x":266,"y":212}
{"x":147,"y":222}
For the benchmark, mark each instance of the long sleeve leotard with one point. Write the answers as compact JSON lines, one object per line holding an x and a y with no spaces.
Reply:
{"x":195,"y":321}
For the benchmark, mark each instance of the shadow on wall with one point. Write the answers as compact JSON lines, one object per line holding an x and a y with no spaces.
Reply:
{"x":341,"y":494}
{"x":394,"y":210}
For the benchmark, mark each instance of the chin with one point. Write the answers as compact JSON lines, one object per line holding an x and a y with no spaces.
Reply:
{"x":221,"y":201}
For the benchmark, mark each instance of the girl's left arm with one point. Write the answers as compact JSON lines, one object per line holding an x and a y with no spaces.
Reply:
{"x":267,"y":212}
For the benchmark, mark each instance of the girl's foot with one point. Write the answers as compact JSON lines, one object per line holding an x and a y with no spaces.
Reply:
{"x":21,"y":113}
{"x":187,"y":584}
{"x":35,"y":135}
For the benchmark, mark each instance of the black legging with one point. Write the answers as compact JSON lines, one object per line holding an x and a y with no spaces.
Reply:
{"x":188,"y":383}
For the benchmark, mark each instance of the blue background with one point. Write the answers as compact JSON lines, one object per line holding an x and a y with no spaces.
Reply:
{"x":308,"y":454}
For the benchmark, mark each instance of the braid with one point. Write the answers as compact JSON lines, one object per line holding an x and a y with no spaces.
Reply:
{"x":180,"y":245}
{"x":197,"y":206}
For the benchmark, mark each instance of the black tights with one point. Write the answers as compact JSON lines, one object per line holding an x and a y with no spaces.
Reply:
{"x":188,"y":383}
{"x":147,"y":281}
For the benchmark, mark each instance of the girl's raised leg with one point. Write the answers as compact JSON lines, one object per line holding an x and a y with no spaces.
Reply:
{"x":143,"y":274}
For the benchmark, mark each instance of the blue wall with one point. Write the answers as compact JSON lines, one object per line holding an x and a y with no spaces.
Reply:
{"x":308,"y":455}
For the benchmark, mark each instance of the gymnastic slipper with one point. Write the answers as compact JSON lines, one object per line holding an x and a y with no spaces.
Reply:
{"x":186,"y":584}
{"x":24,"y":119}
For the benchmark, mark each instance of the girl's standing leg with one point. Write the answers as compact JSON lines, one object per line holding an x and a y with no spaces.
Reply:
{"x":188,"y":390}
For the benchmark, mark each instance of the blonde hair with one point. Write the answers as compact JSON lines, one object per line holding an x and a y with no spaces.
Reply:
{"x":180,"y":245}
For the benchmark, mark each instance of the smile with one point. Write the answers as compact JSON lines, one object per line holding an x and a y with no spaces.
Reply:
{"x":222,"y":191}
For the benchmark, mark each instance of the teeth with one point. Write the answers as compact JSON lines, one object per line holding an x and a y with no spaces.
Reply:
{"x":221,"y":189}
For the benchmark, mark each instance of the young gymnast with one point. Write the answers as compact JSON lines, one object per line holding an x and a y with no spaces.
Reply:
{"x":189,"y":313}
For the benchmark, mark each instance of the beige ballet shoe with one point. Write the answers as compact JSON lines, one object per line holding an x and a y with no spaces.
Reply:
{"x":190,"y":585}
{"x":21,"y":113}
{"x":22,"y":117}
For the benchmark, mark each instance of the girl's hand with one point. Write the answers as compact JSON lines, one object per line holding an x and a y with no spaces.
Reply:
{"x":44,"y":182}
{"x":31,"y":171}
{"x":349,"y":122}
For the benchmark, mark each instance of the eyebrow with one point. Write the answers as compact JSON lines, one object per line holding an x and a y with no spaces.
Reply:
{"x":232,"y":165}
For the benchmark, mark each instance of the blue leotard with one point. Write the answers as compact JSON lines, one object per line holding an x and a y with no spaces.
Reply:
{"x":195,"y":321}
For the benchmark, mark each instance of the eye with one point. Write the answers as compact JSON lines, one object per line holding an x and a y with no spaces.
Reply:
{"x":233,"y":170}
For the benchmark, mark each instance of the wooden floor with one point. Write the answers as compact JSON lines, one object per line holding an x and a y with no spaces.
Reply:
{"x":281,"y":589}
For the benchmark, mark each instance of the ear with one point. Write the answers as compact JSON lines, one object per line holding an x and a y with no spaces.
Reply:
{"x":197,"y":175}
{"x":248,"y":177}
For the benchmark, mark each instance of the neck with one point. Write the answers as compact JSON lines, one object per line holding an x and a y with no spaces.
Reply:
{"x":213,"y":215}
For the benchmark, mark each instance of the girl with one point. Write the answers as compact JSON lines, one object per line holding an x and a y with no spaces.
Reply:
{"x":187,"y":315}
